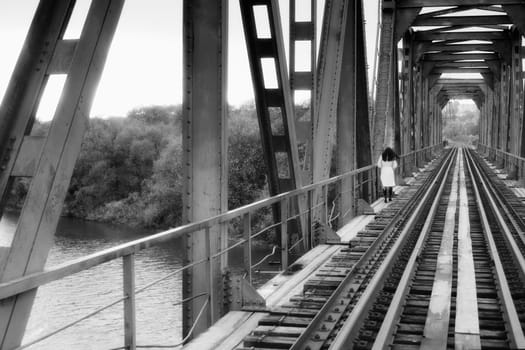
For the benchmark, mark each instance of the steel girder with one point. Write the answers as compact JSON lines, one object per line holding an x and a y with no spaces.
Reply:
{"x":353,"y":133}
{"x":205,"y":162}
{"x":304,"y":33}
{"x":275,"y":110}
{"x":446,"y":50}
{"x":49,"y":161}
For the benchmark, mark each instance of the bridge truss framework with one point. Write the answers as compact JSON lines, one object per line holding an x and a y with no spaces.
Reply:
{"x":298,"y":150}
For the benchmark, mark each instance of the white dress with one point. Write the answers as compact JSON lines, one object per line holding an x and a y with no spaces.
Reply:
{"x":388,"y":178}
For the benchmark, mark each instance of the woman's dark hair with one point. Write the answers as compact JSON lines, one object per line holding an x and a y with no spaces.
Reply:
{"x":389,"y":155}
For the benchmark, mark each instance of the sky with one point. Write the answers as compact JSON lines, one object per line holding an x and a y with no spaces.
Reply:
{"x":144,"y":64}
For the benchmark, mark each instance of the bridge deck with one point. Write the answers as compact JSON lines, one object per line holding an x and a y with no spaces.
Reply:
{"x":230,"y":330}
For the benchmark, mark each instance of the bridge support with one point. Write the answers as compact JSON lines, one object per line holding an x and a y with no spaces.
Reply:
{"x":49,"y":161}
{"x":303,"y":39}
{"x":205,"y":154}
{"x":353,"y":133}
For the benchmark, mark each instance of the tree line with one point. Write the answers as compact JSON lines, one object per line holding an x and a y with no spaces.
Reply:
{"x":129,"y":169}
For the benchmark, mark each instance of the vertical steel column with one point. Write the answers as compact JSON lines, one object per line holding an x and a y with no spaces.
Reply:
{"x":496,"y":114}
{"x":328,"y":84}
{"x":434,"y":126}
{"x":424,"y":122}
{"x":363,"y":139}
{"x":353,"y":141}
{"x":419,"y":114}
{"x":383,"y":123}
{"x":503,"y":108}
{"x":515,"y":93}
{"x":490,"y":115}
{"x":82,"y":60}
{"x":483,"y":123}
{"x":205,"y":151}
{"x":437,"y":140}
{"x":408,"y":100}
{"x":346,"y":117}
{"x":304,"y":32}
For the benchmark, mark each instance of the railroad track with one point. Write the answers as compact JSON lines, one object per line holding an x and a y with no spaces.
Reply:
{"x":342,"y":280}
{"x":462,"y":285}
{"x":442,"y":267}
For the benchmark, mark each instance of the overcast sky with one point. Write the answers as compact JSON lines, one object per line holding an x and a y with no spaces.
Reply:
{"x":144,"y":65}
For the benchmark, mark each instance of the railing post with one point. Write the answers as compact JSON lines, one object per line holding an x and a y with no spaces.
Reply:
{"x":370,"y":185}
{"x":130,"y":328}
{"x":284,"y":233}
{"x":211,"y":291}
{"x":247,"y":231}
{"x":326,"y":209}
{"x":310,"y":219}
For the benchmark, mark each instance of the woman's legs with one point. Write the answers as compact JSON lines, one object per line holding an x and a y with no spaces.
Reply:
{"x":390,"y":190}
{"x":385,"y":192}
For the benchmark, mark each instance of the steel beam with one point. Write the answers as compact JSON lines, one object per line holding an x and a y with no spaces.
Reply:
{"x":275,"y":110}
{"x":480,"y":64}
{"x":383,"y":122}
{"x":353,"y":135}
{"x":328,"y":84}
{"x":205,"y":153}
{"x":440,"y":70}
{"x":443,"y":3}
{"x":504,"y":108}
{"x":444,"y":47}
{"x":438,"y":57}
{"x":304,"y":32}
{"x":21,"y":99}
{"x":516,"y":92}
{"x":408,"y":95}
{"x":517,"y":15}
{"x":462,"y":21}
{"x":447,"y":11}
{"x":424,"y":36}
{"x":39,"y":217}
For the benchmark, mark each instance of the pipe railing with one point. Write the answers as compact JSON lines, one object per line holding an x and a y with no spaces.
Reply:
{"x":505,"y":160}
{"x":364,"y":180}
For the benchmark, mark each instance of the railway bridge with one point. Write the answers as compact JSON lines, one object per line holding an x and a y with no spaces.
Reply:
{"x":441,"y":266}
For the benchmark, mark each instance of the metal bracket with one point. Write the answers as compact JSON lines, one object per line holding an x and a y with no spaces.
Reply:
{"x":324,"y":234}
{"x":363,"y":208}
{"x":242,"y":294}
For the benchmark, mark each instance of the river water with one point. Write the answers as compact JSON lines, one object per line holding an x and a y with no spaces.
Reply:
{"x":63,"y":301}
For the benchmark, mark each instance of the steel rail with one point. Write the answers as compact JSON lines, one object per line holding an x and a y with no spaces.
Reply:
{"x":386,"y":332}
{"x":514,"y":218}
{"x":342,"y":289}
{"x":350,"y":328}
{"x":490,"y":190}
{"x":515,"y":331}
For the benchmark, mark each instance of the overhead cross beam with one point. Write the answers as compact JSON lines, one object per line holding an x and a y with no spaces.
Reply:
{"x":445,"y":3}
{"x":460,"y":56}
{"x":434,"y":47}
{"x":495,"y":35}
{"x":462,"y":21}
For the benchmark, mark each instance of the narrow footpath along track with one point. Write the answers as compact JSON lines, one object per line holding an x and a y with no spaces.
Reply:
{"x":442,"y":267}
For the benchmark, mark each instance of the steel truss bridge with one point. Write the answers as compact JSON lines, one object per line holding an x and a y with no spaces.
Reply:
{"x":346,"y":129}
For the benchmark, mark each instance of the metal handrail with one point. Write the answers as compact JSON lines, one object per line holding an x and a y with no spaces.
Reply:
{"x":126,"y":250}
{"x":497,"y":150}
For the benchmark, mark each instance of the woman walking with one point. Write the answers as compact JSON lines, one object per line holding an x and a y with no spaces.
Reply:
{"x":387,"y":163}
